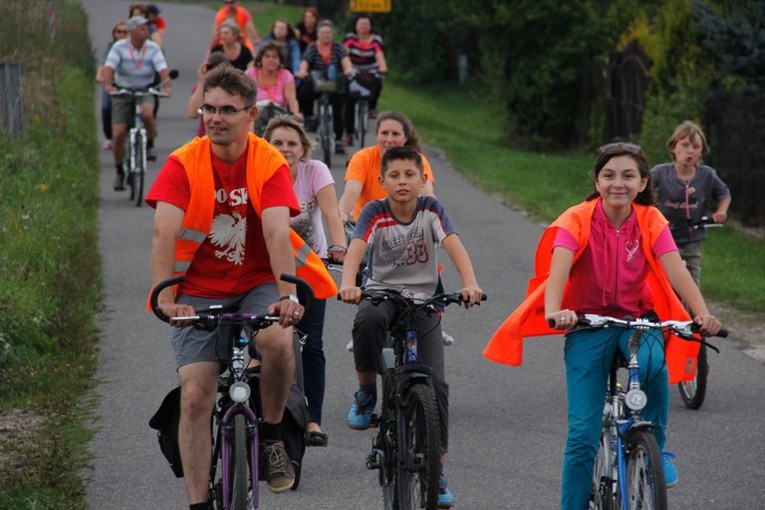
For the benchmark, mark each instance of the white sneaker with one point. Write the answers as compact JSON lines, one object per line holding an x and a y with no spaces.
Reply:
{"x":349,"y":346}
{"x":446,"y":338}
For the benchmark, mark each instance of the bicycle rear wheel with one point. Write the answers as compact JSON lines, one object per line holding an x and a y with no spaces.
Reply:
{"x":693,"y":392}
{"x":240,"y":474}
{"x":645,"y":483}
{"x":419,"y":466}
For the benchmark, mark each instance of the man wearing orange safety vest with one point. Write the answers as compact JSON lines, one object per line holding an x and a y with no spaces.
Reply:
{"x":223,"y":204}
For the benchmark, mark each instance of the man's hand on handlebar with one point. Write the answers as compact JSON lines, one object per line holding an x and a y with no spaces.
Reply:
{"x":173,"y":310}
{"x":289,"y":312}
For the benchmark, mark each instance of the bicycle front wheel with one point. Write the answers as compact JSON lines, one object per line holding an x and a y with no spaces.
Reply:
{"x":325,"y":132}
{"x":645,"y":484}
{"x":419,"y":464}
{"x":240,"y":475}
{"x":693,"y":392}
{"x":139,"y":170}
{"x":362,"y":120}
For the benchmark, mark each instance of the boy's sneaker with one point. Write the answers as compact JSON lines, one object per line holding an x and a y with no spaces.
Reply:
{"x":670,"y":471}
{"x":360,"y":413}
{"x":445,"y":496}
{"x":279,"y":473}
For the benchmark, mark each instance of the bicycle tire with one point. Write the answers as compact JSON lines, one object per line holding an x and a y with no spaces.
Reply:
{"x":387,"y":443}
{"x":129,"y":163}
{"x":645,"y":483}
{"x":140,"y":168}
{"x":240,"y":474}
{"x":419,"y":466}
{"x":602,"y":496}
{"x":325,"y":121}
{"x":693,"y":392}
{"x":362,"y":121}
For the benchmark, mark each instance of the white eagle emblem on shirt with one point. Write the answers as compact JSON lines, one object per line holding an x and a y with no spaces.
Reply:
{"x":228,"y":232}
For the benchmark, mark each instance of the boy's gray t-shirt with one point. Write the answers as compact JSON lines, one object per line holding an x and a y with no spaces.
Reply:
{"x":403,"y":255}
{"x":683,"y":203}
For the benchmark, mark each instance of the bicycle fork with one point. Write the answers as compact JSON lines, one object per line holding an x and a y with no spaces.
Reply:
{"x":227,"y":425}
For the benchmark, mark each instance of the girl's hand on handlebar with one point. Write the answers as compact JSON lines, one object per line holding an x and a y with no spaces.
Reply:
{"x":350,"y":294}
{"x":562,"y":319}
{"x":471,"y":295}
{"x":708,"y":324}
{"x":289,"y":312}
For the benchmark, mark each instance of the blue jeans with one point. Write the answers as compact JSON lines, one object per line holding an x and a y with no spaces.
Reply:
{"x":314,"y":362}
{"x":588,"y":357}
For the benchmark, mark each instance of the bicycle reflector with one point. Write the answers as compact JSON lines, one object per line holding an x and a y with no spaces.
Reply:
{"x":239,"y":392}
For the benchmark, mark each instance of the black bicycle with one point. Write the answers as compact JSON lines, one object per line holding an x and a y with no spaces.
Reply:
{"x":235,"y":471}
{"x":694,"y":391}
{"x":406,"y":450}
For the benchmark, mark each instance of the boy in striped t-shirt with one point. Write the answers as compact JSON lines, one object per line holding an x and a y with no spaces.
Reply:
{"x":404,"y":231}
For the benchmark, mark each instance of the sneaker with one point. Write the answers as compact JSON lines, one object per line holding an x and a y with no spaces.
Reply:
{"x":151,"y":154}
{"x":107,"y":145}
{"x":670,"y":471}
{"x":349,"y":346}
{"x":119,"y":182}
{"x":360,"y":413}
{"x":339,"y":149}
{"x":445,"y":496}
{"x":446,"y":338}
{"x":279,"y":473}
{"x":347,"y":140}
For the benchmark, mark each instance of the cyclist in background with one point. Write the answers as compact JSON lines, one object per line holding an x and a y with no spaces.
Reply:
{"x":305,"y":29}
{"x":683,"y":188}
{"x":132,"y":64}
{"x":331,"y":59}
{"x":157,"y":24}
{"x":276,"y":86}
{"x":315,"y":191}
{"x":410,"y":267}
{"x":232,"y":251}
{"x":612,"y":255}
{"x":239,"y":16}
{"x":119,"y":31}
{"x":365,"y":49}
{"x":283,"y":33}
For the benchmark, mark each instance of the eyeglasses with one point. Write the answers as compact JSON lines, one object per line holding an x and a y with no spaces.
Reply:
{"x":619,"y":148}
{"x":225,"y":111}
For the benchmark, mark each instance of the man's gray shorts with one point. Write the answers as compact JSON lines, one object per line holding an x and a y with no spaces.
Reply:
{"x":193,"y":345}
{"x":123,"y":108}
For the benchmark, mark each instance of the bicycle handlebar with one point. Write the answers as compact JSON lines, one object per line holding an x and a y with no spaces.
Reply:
{"x":683,"y":329}
{"x":703,"y":223}
{"x":377,"y":296}
{"x":304,"y":292}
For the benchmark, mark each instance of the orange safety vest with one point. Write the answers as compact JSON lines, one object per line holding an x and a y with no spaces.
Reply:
{"x":506,"y":345}
{"x":262,"y":163}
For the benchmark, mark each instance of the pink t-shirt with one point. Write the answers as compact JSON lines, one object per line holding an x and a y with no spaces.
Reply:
{"x":609,"y":276}
{"x":274,"y":93}
{"x":311,"y":177}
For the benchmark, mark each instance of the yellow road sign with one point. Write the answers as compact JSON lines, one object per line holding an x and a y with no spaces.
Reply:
{"x":370,"y":5}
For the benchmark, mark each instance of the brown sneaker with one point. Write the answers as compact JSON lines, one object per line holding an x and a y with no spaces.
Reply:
{"x":280,"y":475}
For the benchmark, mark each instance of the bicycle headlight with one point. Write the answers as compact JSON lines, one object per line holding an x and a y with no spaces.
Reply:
{"x":239,"y":392}
{"x":636,"y":399}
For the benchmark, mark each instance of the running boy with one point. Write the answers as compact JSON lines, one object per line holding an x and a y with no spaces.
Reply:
{"x":404,"y":231}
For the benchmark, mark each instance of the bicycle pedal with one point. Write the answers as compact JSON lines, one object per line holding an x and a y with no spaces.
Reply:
{"x":374,"y":460}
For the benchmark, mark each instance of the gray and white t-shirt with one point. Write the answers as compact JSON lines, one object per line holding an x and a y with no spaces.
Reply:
{"x":134,"y":69}
{"x":403,"y":255}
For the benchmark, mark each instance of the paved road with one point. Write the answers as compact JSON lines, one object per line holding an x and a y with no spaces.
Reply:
{"x":508,"y":424}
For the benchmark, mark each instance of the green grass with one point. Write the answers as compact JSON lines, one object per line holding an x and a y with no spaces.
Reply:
{"x":458,"y":121}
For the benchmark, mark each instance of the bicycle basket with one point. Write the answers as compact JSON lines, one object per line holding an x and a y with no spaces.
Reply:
{"x":322,"y":84}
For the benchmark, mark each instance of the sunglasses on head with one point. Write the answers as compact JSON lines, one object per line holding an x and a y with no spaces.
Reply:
{"x":619,"y":148}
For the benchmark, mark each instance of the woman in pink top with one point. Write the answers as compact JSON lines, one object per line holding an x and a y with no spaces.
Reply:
{"x":276,"y":85}
{"x":607,"y":273}
{"x":315,"y":191}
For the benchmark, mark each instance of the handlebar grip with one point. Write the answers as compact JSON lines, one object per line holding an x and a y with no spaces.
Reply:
{"x":723,"y":333}
{"x":155,"y":296}
{"x":551,"y":323}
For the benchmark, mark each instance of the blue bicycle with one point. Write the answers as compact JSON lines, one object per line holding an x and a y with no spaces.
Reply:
{"x":628,"y":471}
